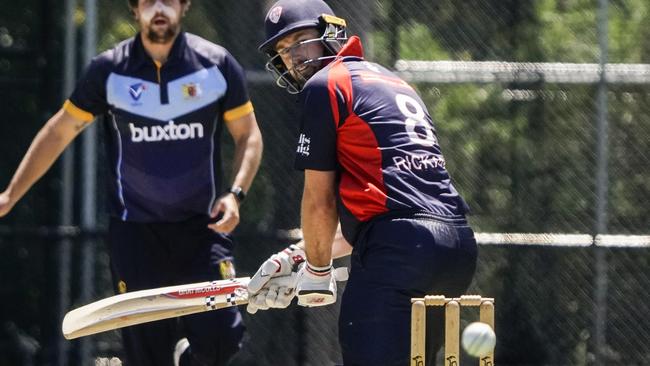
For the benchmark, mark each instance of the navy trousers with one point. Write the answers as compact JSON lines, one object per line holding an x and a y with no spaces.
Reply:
{"x":146,"y":256}
{"x":394,"y":260}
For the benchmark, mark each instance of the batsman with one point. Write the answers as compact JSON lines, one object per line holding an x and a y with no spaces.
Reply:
{"x":372,"y":162}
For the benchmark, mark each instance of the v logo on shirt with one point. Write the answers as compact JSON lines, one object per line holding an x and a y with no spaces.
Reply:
{"x":136,"y":90}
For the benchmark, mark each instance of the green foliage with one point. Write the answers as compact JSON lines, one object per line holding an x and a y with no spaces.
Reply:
{"x":416,"y":35}
{"x":629,"y":29}
{"x":568,"y":31}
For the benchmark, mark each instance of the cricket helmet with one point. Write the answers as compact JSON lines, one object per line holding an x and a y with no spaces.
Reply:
{"x":288,"y":16}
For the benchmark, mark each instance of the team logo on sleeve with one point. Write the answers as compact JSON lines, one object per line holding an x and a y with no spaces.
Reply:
{"x":191,"y":90}
{"x":136,"y":91}
{"x":303,"y":145}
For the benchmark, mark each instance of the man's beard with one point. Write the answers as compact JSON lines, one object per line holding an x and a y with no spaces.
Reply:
{"x":164,"y":36}
{"x":305,"y":71}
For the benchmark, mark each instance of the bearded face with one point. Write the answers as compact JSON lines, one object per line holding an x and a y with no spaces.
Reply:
{"x":301,"y":52}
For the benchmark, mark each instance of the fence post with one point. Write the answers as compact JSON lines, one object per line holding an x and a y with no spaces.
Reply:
{"x":602,"y":184}
{"x":67,"y":185}
{"x":89,"y":188}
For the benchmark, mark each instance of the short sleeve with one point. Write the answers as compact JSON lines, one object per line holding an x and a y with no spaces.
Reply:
{"x":89,"y":96}
{"x":236,"y":103}
{"x":316,"y":147}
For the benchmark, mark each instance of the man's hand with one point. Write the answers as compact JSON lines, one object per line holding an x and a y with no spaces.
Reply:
{"x":228,"y":207}
{"x":262,"y":293}
{"x":277,"y":293}
{"x":280,"y":264}
{"x":316,"y":286}
{"x":5,"y":204}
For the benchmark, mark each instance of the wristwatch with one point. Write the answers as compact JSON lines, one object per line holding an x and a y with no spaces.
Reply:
{"x":238,"y":192}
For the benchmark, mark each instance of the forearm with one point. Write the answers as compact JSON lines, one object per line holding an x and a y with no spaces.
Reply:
{"x":46,"y":147}
{"x":247,"y":157}
{"x":319,"y":222}
{"x":340,"y":246}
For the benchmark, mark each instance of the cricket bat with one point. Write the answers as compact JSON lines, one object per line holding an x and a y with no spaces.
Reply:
{"x":160,"y":303}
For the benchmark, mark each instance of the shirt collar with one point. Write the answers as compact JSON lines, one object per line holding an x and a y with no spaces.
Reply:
{"x":352,"y":48}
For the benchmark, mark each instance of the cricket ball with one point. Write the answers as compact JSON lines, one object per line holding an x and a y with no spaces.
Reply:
{"x":478,"y":339}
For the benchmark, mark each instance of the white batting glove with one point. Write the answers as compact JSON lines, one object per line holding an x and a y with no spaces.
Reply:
{"x":277,"y":293}
{"x":316,"y":286}
{"x":280,"y":264}
{"x":257,"y":301}
{"x":262,"y":294}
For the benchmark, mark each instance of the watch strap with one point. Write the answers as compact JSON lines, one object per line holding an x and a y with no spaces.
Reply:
{"x":238,"y":192}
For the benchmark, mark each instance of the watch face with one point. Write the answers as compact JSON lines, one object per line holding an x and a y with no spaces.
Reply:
{"x":238,"y":192}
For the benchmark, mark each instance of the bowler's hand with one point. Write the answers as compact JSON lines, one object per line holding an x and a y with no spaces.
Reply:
{"x":5,"y":204}
{"x":228,"y":207}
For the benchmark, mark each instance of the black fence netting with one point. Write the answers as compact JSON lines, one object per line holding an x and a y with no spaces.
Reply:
{"x":525,"y":154}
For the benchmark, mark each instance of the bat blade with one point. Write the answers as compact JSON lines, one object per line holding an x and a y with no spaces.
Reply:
{"x":154,"y":304}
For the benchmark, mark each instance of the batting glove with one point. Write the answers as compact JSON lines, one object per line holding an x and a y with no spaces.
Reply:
{"x":316,"y":286}
{"x":277,"y":293}
{"x":260,"y":292}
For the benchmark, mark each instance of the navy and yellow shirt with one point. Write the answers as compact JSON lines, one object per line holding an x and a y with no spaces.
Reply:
{"x":163,"y":124}
{"x":370,"y":126}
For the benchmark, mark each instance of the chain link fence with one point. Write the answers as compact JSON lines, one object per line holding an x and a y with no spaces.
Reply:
{"x":524,"y":146}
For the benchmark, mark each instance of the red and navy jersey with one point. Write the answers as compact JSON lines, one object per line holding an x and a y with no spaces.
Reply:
{"x":163,"y":124}
{"x":370,"y":126}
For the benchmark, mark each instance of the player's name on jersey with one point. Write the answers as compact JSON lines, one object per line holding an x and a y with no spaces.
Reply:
{"x":167,"y":132}
{"x":412,"y":162}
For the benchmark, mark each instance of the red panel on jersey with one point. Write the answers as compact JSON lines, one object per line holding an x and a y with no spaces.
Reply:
{"x":339,"y":81}
{"x":362,"y":186}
